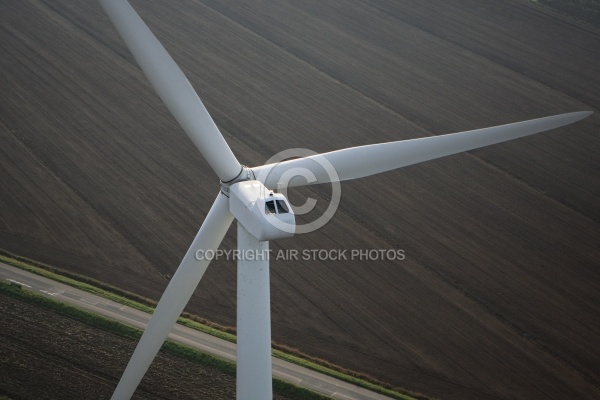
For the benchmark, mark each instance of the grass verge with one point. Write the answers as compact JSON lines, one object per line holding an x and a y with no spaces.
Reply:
{"x":226,"y":333}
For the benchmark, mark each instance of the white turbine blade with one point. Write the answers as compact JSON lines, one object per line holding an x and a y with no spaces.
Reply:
{"x":173,"y":88}
{"x":358,"y":162}
{"x":175,"y":297}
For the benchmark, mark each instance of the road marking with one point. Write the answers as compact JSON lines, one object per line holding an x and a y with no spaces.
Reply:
{"x":288,"y":377}
{"x":49,"y":293}
{"x":89,"y":301}
{"x":17,"y":282}
{"x":338,"y":395}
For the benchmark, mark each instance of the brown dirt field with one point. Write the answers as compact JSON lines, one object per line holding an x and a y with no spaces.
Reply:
{"x":499,"y":294}
{"x":44,"y":355}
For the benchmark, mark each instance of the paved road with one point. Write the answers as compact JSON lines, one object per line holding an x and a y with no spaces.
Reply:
{"x":281,"y":369}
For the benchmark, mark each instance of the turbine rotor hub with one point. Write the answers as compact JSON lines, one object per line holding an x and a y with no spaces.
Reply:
{"x":246,"y":174}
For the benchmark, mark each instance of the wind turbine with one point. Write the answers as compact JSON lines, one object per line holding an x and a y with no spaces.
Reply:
{"x":246,"y":195}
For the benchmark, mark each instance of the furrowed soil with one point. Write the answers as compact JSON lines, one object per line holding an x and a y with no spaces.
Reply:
{"x":498,"y":296}
{"x":44,"y":355}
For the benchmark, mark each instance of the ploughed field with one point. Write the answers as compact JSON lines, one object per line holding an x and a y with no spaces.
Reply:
{"x":498,"y":295}
{"x":44,"y":355}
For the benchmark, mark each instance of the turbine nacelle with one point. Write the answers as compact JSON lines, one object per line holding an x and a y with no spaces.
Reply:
{"x":266,"y":215}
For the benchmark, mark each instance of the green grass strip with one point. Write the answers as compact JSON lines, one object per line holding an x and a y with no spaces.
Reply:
{"x":93,"y":287}
{"x":341,"y":376}
{"x":76,"y":313}
{"x":110,"y":293}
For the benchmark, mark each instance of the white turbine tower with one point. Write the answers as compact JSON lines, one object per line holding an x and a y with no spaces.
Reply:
{"x":262,"y":215}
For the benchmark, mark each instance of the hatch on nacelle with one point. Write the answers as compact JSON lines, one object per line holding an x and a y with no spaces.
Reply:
{"x":265,"y":214}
